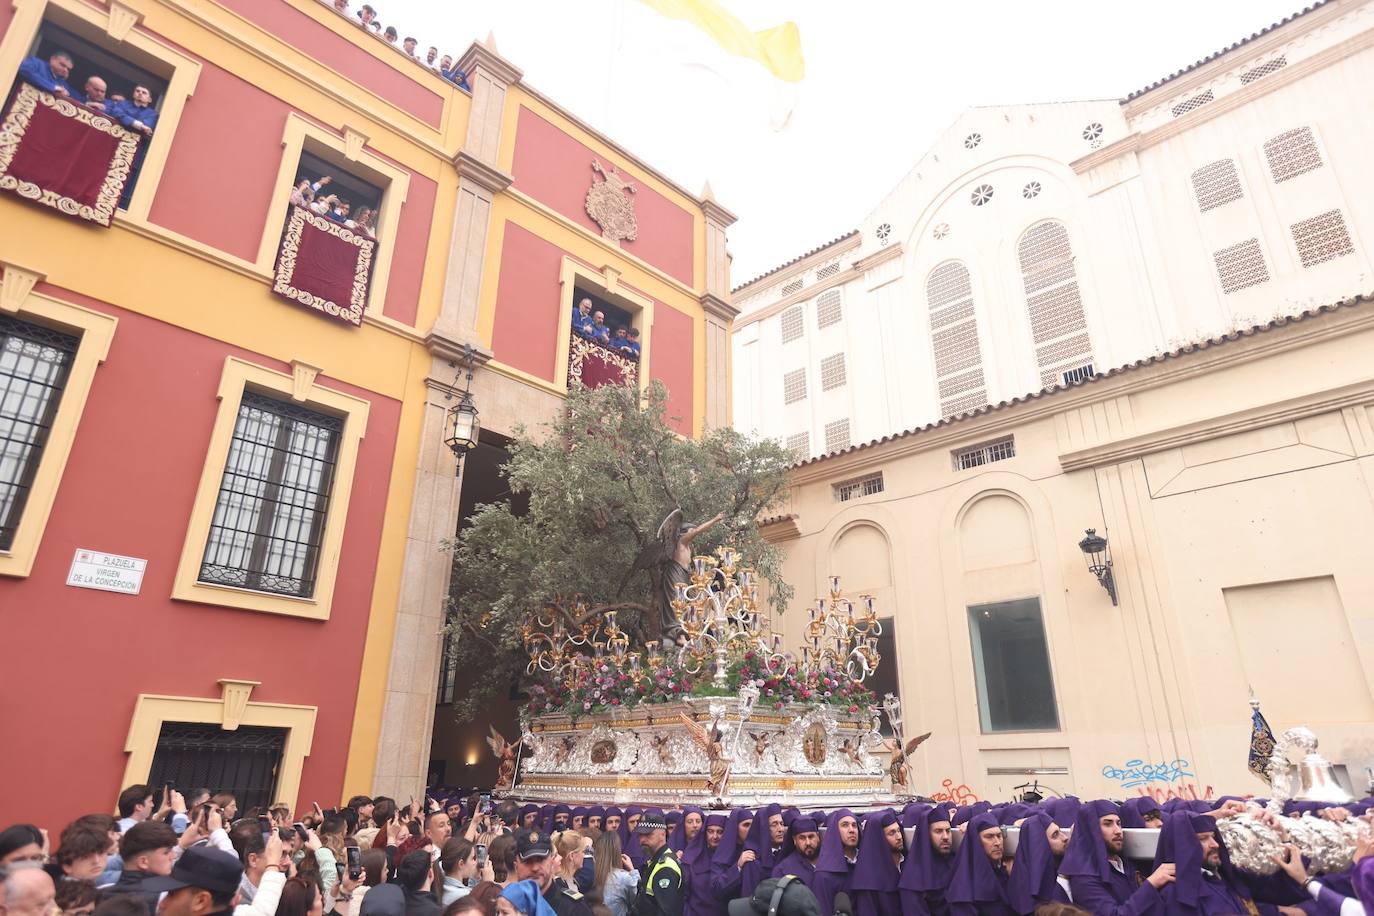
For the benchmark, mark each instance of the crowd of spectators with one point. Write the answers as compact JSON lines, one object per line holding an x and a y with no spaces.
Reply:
{"x":366,"y":19}
{"x":169,"y":854}
{"x":591,"y":324}
{"x":136,"y":112}
{"x":311,"y":195}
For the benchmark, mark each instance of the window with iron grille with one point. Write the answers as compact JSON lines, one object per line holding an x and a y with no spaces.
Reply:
{"x":799,"y":444}
{"x":1216,"y":183}
{"x":792,"y":324}
{"x":1263,"y":70}
{"x":832,"y":372}
{"x":1292,"y":153}
{"x":34,"y":364}
{"x":1080,"y":374}
{"x":1322,"y":238}
{"x":1241,"y":266}
{"x":794,"y":287}
{"x":794,"y":386}
{"x":448,"y":673}
{"x":1197,"y":101}
{"x":837,"y":435}
{"x":829,"y":309}
{"x":243,"y":762}
{"x":978,"y":455}
{"x":867,"y":485}
{"x":273,"y":499}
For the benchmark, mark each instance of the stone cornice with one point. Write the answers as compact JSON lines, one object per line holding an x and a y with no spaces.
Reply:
{"x":477,"y":171}
{"x":1127,"y":144}
{"x":717,"y":214}
{"x":720,"y":308}
{"x":480,"y":57}
{"x":442,"y":343}
{"x":881,"y":256}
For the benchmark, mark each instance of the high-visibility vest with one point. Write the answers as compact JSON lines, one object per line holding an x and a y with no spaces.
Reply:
{"x":669,"y":862}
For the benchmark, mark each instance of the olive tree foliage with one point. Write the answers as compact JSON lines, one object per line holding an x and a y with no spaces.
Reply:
{"x":600,"y":483}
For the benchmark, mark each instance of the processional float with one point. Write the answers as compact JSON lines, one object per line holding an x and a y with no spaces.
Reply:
{"x":715,"y":712}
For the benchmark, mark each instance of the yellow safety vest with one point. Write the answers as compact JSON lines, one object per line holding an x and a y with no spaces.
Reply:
{"x":669,"y":862}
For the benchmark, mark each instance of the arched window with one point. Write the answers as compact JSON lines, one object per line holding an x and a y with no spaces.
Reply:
{"x":1063,"y":351}
{"x":954,"y":333}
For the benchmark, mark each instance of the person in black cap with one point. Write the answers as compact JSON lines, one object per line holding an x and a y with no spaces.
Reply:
{"x":660,"y":888}
{"x":785,"y":896}
{"x":534,"y":859}
{"x":204,"y":881}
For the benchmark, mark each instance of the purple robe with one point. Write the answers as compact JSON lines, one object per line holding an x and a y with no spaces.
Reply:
{"x":977,"y":887}
{"x":833,"y":870}
{"x":1097,"y":882}
{"x":760,"y":842}
{"x":925,"y":873}
{"x":792,"y":862}
{"x":725,"y":871}
{"x":1034,"y":877}
{"x":873,"y":886}
{"x":677,"y":840}
{"x":696,"y":872}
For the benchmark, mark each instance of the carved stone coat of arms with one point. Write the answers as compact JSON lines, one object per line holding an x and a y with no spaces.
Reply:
{"x":610,"y":205}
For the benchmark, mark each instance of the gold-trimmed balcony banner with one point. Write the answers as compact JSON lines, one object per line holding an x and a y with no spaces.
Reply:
{"x":594,"y":364}
{"x":325,"y":266}
{"x":64,"y":155}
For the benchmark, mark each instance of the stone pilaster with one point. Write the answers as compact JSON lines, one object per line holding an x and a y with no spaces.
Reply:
{"x":720,"y":313}
{"x":407,"y":725}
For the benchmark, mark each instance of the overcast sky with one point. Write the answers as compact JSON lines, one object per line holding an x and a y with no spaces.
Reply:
{"x":883,"y":80}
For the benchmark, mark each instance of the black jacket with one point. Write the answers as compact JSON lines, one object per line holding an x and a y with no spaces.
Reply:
{"x":131,"y":882}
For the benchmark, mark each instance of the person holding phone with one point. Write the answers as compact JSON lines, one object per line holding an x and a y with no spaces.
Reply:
{"x":455,"y":871}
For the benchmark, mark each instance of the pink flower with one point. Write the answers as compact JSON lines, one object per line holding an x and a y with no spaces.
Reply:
{"x":777,"y":705}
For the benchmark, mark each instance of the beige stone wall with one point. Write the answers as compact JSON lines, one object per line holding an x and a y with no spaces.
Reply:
{"x":1234,"y":486}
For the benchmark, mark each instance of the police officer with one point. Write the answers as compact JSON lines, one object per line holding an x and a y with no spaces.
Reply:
{"x":660,"y":884}
{"x":534,"y":859}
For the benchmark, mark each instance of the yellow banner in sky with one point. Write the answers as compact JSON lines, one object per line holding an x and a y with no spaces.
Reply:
{"x":778,"y":48}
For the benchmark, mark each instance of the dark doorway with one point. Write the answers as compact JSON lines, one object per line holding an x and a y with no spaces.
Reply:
{"x":243,"y":762}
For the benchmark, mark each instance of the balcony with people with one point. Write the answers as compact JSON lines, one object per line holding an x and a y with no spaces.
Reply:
{"x":78,"y":122}
{"x":603,"y":343}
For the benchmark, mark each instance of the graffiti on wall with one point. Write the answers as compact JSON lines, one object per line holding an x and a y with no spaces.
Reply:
{"x":955,"y":795}
{"x":1135,"y":773}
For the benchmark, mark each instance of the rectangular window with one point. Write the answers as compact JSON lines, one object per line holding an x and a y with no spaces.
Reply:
{"x":266,"y":531}
{"x":1322,"y":238}
{"x":794,"y":287}
{"x":794,"y":386}
{"x":1011,"y":665}
{"x":987,"y":453}
{"x":859,"y":486}
{"x":829,"y":309}
{"x":792,"y":325}
{"x":837,"y":435}
{"x":832,"y":372}
{"x":828,"y":270}
{"x":34,"y":364}
{"x":1079,"y":374}
{"x":447,"y":673}
{"x":799,"y":444}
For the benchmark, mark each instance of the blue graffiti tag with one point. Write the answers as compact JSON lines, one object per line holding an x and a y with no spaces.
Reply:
{"x":1137,"y":772}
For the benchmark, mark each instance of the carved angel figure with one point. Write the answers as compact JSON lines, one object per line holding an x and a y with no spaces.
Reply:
{"x":760,"y":740}
{"x":897,"y":768}
{"x":712,"y":742}
{"x":662,"y":744}
{"x":505,"y":751}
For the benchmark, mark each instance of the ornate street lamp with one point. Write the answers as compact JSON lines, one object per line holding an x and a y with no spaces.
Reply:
{"x":462,"y":425}
{"x":1094,"y":549}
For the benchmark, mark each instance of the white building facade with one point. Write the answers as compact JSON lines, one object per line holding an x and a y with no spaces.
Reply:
{"x":1037,"y":245}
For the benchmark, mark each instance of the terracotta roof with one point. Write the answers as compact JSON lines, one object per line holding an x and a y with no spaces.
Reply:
{"x":851,"y":233}
{"x":1129,"y":367}
{"x":1213,"y":56}
{"x":778,"y":519}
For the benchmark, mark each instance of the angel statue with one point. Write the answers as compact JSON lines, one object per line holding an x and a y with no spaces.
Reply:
{"x":505,"y":751}
{"x":712,"y":742}
{"x":668,"y":560}
{"x":898,"y":768}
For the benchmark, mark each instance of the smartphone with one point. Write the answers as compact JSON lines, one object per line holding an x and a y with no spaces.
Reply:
{"x":485,"y":805}
{"x":265,"y":824}
{"x":300,"y":832}
{"x":481,"y":855}
{"x":355,"y":862}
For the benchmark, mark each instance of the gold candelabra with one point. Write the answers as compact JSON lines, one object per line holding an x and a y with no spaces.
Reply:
{"x":717,"y":615}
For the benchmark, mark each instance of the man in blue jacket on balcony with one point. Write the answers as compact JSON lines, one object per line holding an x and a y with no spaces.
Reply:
{"x":49,"y":75}
{"x":582,"y":319}
{"x":137,"y":113}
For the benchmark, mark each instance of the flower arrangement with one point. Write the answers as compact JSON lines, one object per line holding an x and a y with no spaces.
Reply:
{"x":608,"y":683}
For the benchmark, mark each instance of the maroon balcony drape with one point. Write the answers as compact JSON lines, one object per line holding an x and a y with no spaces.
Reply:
{"x":64,"y":155}
{"x":324,"y":266}
{"x":595,"y":364}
